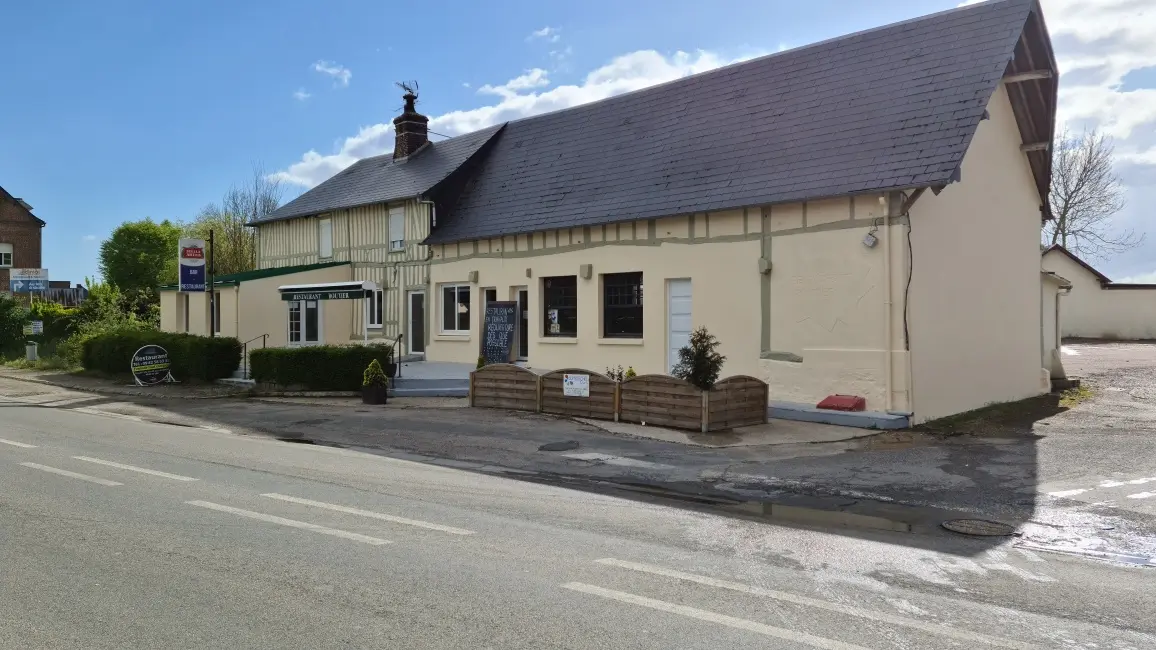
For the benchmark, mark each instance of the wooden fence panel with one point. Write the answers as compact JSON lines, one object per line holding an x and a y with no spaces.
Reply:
{"x":662,"y":401}
{"x":602,"y":403}
{"x":504,"y":386}
{"x":737,"y":401}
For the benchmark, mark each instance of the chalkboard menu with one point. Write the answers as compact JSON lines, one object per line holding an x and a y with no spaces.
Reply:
{"x":498,"y":329}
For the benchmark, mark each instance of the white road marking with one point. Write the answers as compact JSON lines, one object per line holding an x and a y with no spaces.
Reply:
{"x":1016,"y":571}
{"x":713,"y":617}
{"x":292,"y":523}
{"x":64,"y":472}
{"x":1032,"y":557}
{"x":372,"y":515}
{"x":1135,"y":481}
{"x":1142,"y":495}
{"x":882,"y":617}
{"x":22,"y":445}
{"x":132,"y":468}
{"x":621,"y":461}
{"x":1068,"y":493}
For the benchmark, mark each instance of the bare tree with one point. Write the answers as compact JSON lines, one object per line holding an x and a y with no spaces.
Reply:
{"x":1085,"y":194}
{"x":236,"y":248}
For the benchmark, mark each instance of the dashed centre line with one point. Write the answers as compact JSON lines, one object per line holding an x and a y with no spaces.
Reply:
{"x":370,"y":514}
{"x":132,"y":468}
{"x":64,"y":472}
{"x":292,"y":523}
{"x":882,"y":617}
{"x":1142,"y":495}
{"x":22,"y":445}
{"x":714,"y":617}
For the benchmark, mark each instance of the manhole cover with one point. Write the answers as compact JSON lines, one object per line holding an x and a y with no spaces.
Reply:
{"x":559,"y":446}
{"x":979,"y":527}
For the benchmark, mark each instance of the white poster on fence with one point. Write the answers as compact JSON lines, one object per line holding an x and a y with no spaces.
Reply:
{"x":576,"y":385}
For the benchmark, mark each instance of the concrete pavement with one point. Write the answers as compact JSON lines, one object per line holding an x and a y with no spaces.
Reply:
{"x":117,"y":533}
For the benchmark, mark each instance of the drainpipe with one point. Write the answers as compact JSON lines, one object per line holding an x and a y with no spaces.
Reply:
{"x":888,"y":400}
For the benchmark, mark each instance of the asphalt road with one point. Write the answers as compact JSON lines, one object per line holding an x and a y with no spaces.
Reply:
{"x":116,"y":533}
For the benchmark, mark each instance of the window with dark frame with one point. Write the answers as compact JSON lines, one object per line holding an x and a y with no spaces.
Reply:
{"x":456,"y":309}
{"x":622,"y":305}
{"x":560,"y":298}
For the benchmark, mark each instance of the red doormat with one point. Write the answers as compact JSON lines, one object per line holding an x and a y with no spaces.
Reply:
{"x":843,"y":403}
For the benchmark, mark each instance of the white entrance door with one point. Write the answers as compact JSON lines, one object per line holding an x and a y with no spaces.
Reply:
{"x":305,"y":322}
{"x":678,"y":320}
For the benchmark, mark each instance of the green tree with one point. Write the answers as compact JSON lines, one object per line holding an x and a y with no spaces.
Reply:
{"x":13,"y":316}
{"x":139,"y":256}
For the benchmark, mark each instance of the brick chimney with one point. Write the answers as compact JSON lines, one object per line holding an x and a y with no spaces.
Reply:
{"x":411,"y":129}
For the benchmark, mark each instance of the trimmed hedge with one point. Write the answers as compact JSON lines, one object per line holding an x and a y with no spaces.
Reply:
{"x":192,"y":357}
{"x":318,"y":367}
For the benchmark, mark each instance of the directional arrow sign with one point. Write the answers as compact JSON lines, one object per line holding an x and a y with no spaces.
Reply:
{"x":17,"y":286}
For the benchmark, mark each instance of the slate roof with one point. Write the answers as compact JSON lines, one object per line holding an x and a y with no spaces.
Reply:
{"x":889,"y":108}
{"x":381,"y":178}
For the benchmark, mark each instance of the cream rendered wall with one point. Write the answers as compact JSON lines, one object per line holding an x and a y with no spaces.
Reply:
{"x":1091,"y":311}
{"x":718,"y":252}
{"x":361,"y":236}
{"x":975,"y":288}
{"x":827,"y":303}
{"x":1050,"y":296}
{"x":263,"y":311}
{"x":170,"y":321}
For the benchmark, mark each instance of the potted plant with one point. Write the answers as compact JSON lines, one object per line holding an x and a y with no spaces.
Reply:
{"x":374,"y":384}
{"x":699,"y":361}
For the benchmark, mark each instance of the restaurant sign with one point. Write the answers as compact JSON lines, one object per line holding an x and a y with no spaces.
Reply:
{"x":331,"y":294}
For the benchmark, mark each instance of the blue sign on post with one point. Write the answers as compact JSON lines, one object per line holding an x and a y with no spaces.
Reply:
{"x":192,"y":265}
{"x":27,"y":280}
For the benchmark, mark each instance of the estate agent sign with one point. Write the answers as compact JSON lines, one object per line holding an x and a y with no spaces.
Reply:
{"x":151,"y":366}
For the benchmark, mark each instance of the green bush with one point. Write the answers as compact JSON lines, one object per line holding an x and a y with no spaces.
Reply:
{"x":192,"y":357}
{"x":374,"y":375}
{"x":320,"y":367}
{"x":699,"y":361}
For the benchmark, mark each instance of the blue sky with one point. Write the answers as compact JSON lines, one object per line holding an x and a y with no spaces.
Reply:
{"x":120,"y":110}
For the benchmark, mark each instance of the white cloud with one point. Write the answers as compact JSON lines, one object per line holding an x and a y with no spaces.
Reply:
{"x":88,"y":238}
{"x":465,"y":84}
{"x":301,"y":94}
{"x":1142,"y":278}
{"x":520,"y":97}
{"x":546,"y":33}
{"x":535,"y":78}
{"x":340,"y":74}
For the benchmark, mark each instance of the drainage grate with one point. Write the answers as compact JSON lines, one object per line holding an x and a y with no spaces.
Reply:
{"x":979,"y":527}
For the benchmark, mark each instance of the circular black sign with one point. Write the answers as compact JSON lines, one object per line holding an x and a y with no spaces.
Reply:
{"x":150,"y":365}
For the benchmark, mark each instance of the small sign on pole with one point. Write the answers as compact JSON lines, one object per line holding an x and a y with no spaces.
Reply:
{"x":27,"y":330}
{"x":191,"y":258}
{"x":151,"y":366}
{"x":37,"y":327}
{"x":576,"y":385}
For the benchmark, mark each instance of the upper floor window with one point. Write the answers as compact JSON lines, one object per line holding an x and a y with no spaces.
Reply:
{"x":622,"y":305}
{"x":560,"y":298}
{"x":325,"y":239}
{"x":397,"y":229}
{"x":5,"y":256}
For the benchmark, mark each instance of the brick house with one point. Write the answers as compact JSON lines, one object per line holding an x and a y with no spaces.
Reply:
{"x":19,"y":236}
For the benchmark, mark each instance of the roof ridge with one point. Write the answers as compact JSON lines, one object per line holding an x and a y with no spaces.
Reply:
{"x":794,"y":50}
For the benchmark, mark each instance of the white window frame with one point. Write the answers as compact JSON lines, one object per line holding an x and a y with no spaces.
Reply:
{"x":325,"y":239}
{"x":6,"y":249}
{"x":320,"y":323}
{"x":395,"y":229}
{"x":376,"y":308}
{"x":457,"y":287}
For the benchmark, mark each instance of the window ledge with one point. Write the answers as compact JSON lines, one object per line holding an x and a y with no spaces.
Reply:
{"x":558,"y":340}
{"x":622,"y":341}
{"x":451,"y":337}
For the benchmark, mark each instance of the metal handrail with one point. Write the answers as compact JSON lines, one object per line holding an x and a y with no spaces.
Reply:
{"x":393,"y":352}
{"x":245,"y":353}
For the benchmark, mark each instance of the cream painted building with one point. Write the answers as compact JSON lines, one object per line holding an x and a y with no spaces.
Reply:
{"x":1098,"y":308}
{"x":860,"y":216}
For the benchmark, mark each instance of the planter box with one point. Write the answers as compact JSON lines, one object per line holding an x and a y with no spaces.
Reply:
{"x":374,"y":394}
{"x":658,"y":400}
